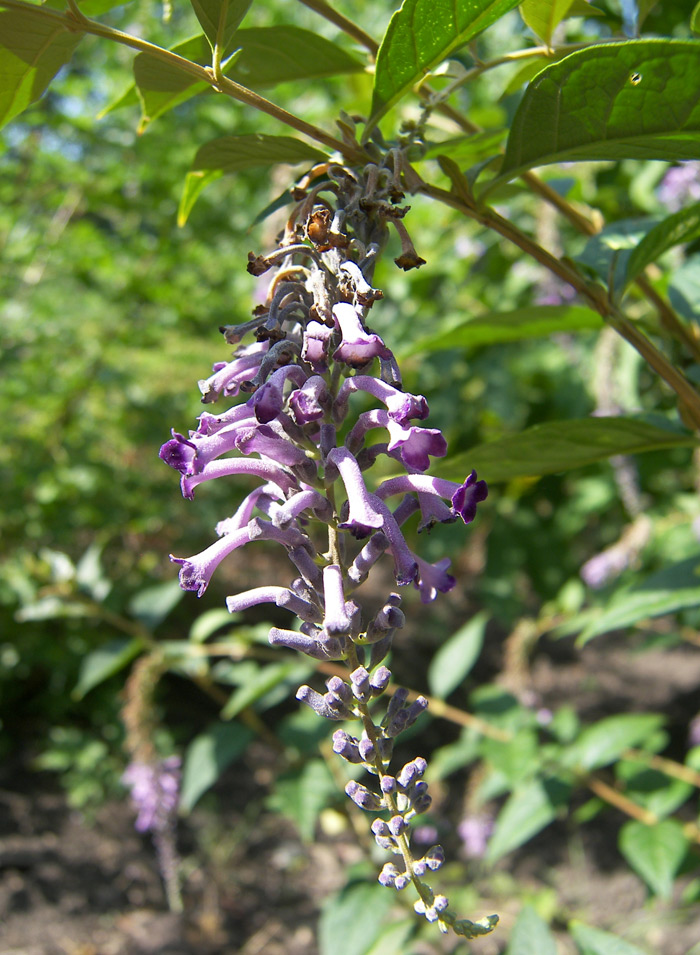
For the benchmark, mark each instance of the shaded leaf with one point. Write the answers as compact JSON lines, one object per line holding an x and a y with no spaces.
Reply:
{"x":212,"y":13}
{"x":420,"y":35}
{"x":301,"y":795}
{"x":607,"y":739}
{"x":593,"y":941}
{"x":101,"y":664}
{"x":695,"y":19}
{"x":535,"y":321}
{"x":530,"y":935}
{"x":529,"y":809}
{"x":272,"y":55}
{"x":560,"y":446}
{"x":454,"y":659}
{"x":352,"y":921}
{"x":684,"y":289}
{"x":654,"y":852}
{"x":651,"y":788}
{"x":209,"y":622}
{"x":632,"y":100}
{"x":207,"y":756}
{"x":684,"y":226}
{"x":33,"y":48}
{"x":607,"y":254}
{"x":230,"y":154}
{"x":544,"y":16}
{"x":152,"y":605}
{"x":266,"y":679}
{"x":674,"y":588}
{"x":468,"y":149}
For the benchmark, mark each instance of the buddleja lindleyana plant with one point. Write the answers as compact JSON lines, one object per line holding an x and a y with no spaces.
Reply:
{"x":299,"y":364}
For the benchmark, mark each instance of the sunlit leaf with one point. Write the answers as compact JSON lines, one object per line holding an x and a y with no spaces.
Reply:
{"x":684,"y":226}
{"x":455,"y":658}
{"x":220,"y":18}
{"x":654,"y":852}
{"x":104,"y":662}
{"x":602,"y":742}
{"x":593,"y":941}
{"x":253,"y":689}
{"x":534,"y":321}
{"x":674,"y":588}
{"x":161,"y":86}
{"x":420,"y":35}
{"x":530,"y":935}
{"x":152,"y":605}
{"x":34,"y":45}
{"x":530,"y":808}
{"x":207,"y":756}
{"x":560,"y":446}
{"x":632,"y":100}
{"x":544,"y":16}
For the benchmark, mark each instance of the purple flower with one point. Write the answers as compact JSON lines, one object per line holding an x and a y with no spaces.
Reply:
{"x":195,"y":572}
{"x":475,"y":831}
{"x":680,"y":186}
{"x":358,"y":346}
{"x":228,"y":376}
{"x":154,"y":792}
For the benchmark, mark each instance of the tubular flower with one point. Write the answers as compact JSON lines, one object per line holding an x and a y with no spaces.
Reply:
{"x":293,"y":433}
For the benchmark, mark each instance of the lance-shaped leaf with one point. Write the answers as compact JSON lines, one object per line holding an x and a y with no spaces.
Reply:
{"x":684,"y":226}
{"x":543,"y":16}
{"x":161,"y":86}
{"x":278,"y":54}
{"x":231,"y":154}
{"x":220,"y":18}
{"x":560,"y":446}
{"x":420,"y":35}
{"x":34,"y":45}
{"x":631,"y":100}
{"x":534,"y":321}
{"x":593,"y":941}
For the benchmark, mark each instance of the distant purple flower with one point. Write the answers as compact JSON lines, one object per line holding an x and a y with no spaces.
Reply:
{"x":680,"y":186}
{"x":694,"y":731}
{"x":475,"y":831}
{"x":155,"y":792}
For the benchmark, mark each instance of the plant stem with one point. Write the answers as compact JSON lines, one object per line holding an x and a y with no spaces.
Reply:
{"x":75,"y":21}
{"x":347,"y":26}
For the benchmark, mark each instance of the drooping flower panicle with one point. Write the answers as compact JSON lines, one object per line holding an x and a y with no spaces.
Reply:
{"x":311,"y":445}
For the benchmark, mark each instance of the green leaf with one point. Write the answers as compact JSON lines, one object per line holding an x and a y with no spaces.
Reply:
{"x":674,"y":588}
{"x":351,"y":921}
{"x":466,"y":150}
{"x":421,"y":34}
{"x":695,"y":19}
{"x":152,"y":605}
{"x":684,"y":226}
{"x":279,"y":54}
{"x":301,"y":795}
{"x":593,"y":941}
{"x":212,"y":13}
{"x":162,"y":86}
{"x":632,"y":100}
{"x":535,"y":321}
{"x":454,"y":659}
{"x":529,"y":809}
{"x":101,"y":664}
{"x":231,"y":154}
{"x":207,"y":756}
{"x":544,"y":16}
{"x":605,"y":740}
{"x":266,"y":679}
{"x":560,"y":446}
{"x":33,"y":48}
{"x":530,"y":935}
{"x":654,"y":852}
{"x":209,"y":622}
{"x":606,"y":255}
{"x":651,"y":788}
{"x":514,"y":759}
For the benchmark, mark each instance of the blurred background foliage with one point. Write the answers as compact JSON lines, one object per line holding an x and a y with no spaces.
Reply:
{"x":110,"y":314}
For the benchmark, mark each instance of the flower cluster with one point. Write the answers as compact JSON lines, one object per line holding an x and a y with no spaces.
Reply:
{"x":155,"y":793}
{"x":302,"y":432}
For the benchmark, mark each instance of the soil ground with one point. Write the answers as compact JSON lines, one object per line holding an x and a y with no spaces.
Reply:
{"x":69,"y":887}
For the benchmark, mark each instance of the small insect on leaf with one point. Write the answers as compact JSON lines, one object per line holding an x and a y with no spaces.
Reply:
{"x":635,"y":79}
